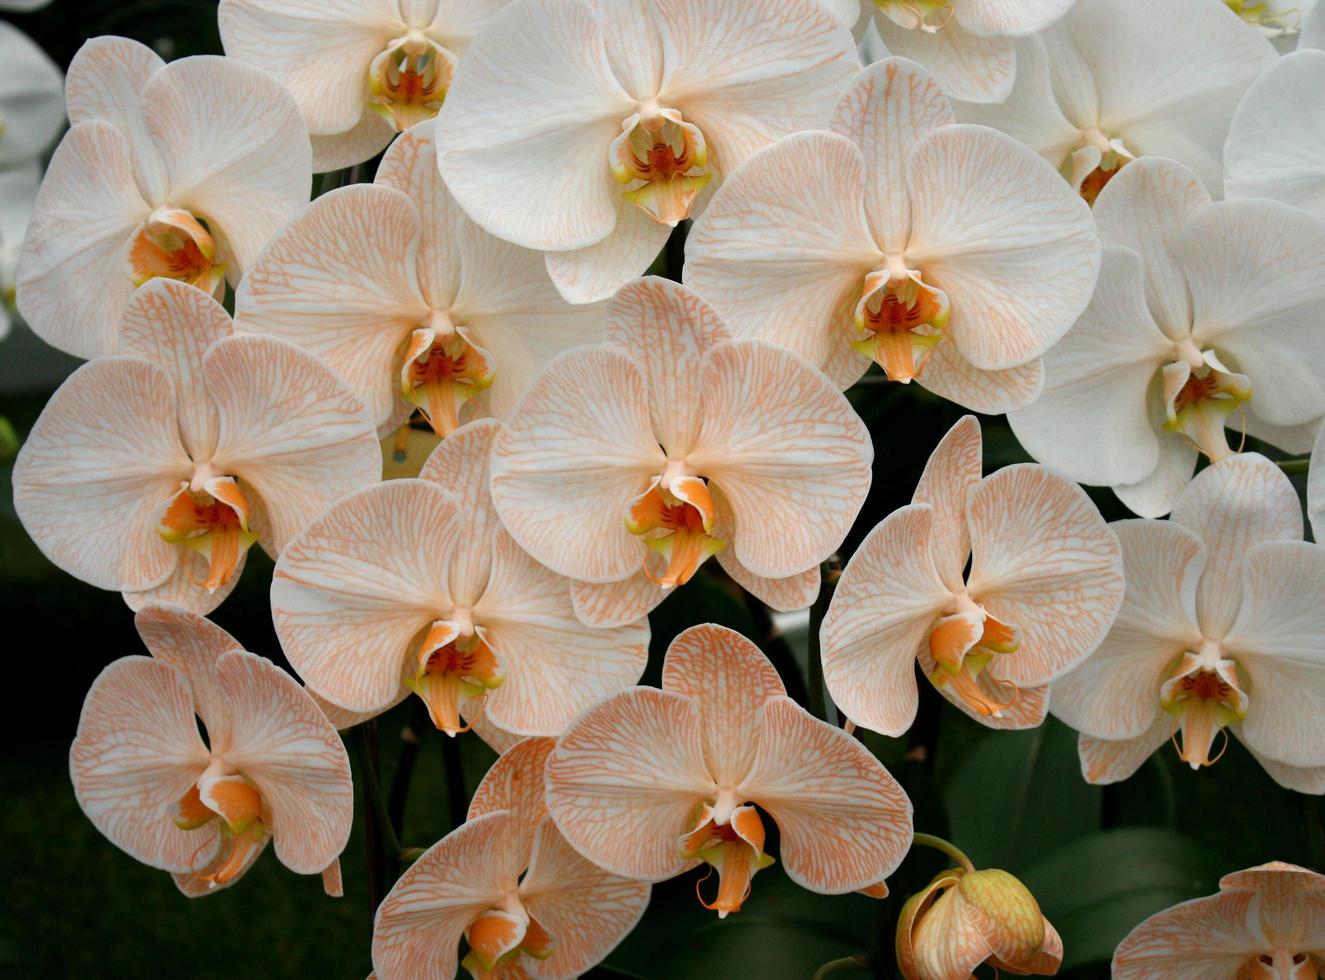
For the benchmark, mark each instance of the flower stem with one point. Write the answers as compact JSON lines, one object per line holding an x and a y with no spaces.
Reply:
{"x":814,"y":668}
{"x":948,"y":848}
{"x":457,"y":804}
{"x":858,"y":962}
{"x":404,"y":772}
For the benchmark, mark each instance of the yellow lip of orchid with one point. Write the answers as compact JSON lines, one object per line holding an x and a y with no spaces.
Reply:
{"x":408,"y":81}
{"x":663,"y":161}
{"x":925,"y":16}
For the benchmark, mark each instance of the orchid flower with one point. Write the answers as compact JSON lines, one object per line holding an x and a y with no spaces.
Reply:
{"x":1276,"y":141}
{"x":1115,"y":80}
{"x":1044,"y":585}
{"x":413,"y":585}
{"x":966,"y":44}
{"x":1266,"y":923}
{"x":1207,"y":315}
{"x":152,"y":472}
{"x":950,"y":255}
{"x":408,"y":300}
{"x":18,"y":194}
{"x":31,"y":98}
{"x":634,"y":109}
{"x":272,"y":768}
{"x":1277,"y":19}
{"x":1221,"y":628}
{"x":650,"y":783}
{"x":506,"y":881}
{"x":179,"y":171}
{"x":361,"y":70}
{"x":626,"y":466}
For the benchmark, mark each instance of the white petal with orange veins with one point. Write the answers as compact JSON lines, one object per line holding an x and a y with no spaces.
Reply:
{"x":1010,"y":17}
{"x":575,"y":450}
{"x":607,"y":604}
{"x":783,"y":247}
{"x":555,"y":665}
{"x":338,"y":281}
{"x":193,"y":644}
{"x":1115,"y":692}
{"x":137,"y":752}
{"x":882,"y":610}
{"x":420,"y":923}
{"x":181,"y":588}
{"x":787,"y":451}
{"x":290,"y":429}
{"x":1105,"y":761}
{"x":73,"y":274}
{"x":1018,"y":266}
{"x":786,"y":594}
{"x":844,"y":822}
{"x":459,"y":465}
{"x":1195,"y":940}
{"x":525,"y":153}
{"x":968,"y":66}
{"x":279,"y":739}
{"x":1297,"y":778}
{"x":1027,"y":710}
{"x":595,"y":272}
{"x":515,"y":783}
{"x":1232,"y":505}
{"x":363,"y":142}
{"x":624,"y":779}
{"x":949,"y":375}
{"x":31,"y":88}
{"x":100,"y":462}
{"x":953,"y":470}
{"x":1044,"y":559}
{"x":350,"y":593}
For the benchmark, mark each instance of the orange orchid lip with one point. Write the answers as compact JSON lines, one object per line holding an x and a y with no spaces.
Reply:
{"x":899,"y":321}
{"x":1205,"y":695}
{"x":441,"y":371}
{"x":675,"y":517}
{"x":962,"y":644}
{"x":175,"y":244}
{"x":664,"y":161}
{"x":733,"y":847}
{"x":233,"y":803}
{"x":212,"y":520}
{"x":454,"y":664}
{"x":408,"y":81}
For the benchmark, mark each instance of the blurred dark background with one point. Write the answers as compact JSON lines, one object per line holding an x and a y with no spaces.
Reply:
{"x":1098,"y":859}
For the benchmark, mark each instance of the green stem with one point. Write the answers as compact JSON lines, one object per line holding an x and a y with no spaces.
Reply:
{"x":814,"y":668}
{"x":457,"y":806}
{"x":1314,"y":826}
{"x":857,"y":962}
{"x":404,"y":772}
{"x":948,"y":848}
{"x":1295,"y":465}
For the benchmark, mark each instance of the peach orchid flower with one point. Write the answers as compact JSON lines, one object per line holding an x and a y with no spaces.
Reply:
{"x":651,"y":783}
{"x":626,"y":466}
{"x":179,"y":171}
{"x":506,"y":880}
{"x":636,"y":107}
{"x":413,"y":585}
{"x":153,"y":471}
{"x":1115,"y":80}
{"x":408,"y":300}
{"x":1207,"y":316}
{"x":968,"y":45}
{"x":361,"y":70}
{"x":1221,"y":628}
{"x":31,"y":98}
{"x":272,"y":768}
{"x":1266,"y":923}
{"x":1044,"y":585}
{"x":951,"y":255}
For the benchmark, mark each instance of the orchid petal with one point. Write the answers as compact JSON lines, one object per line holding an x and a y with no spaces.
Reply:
{"x":515,"y":783}
{"x":604,"y":605}
{"x":1012,"y":18}
{"x":1194,"y":940}
{"x":459,"y":465}
{"x":968,"y":66}
{"x":193,"y":644}
{"x":595,"y":272}
{"x":1104,"y":761}
{"x":31,"y":87}
{"x":952,"y":472}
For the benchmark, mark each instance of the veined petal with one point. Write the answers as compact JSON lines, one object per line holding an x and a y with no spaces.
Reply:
{"x":1232,"y":505}
{"x":968,"y":66}
{"x":422,"y":919}
{"x":595,"y":272}
{"x":624,"y":778}
{"x":1201,"y":938}
{"x":575,"y":450}
{"x":952,"y":472}
{"x":884,"y":606}
{"x":459,"y":465}
{"x":102,"y":459}
{"x":291,"y":429}
{"x":1113,"y":694}
{"x":515,"y":783}
{"x":136,"y":754}
{"x":31,"y":87}
{"x":1027,"y":709}
{"x":1105,"y":761}
{"x":844,"y":822}
{"x":1013,"y":18}
{"x":783,"y":247}
{"x":195,"y":645}
{"x":1044,"y":559}
{"x":607,"y":604}
{"x":339,"y":281}
{"x":555,"y":665}
{"x":1018,"y":268}
{"x":180,"y":588}
{"x":351,"y":593}
{"x":781,"y":594}
{"x":524,"y":153}
{"x":73,"y":275}
{"x":787,"y":451}
{"x":950,"y":375}
{"x":281,"y":741}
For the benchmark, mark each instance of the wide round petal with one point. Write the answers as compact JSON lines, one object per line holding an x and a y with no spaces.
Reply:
{"x":279,"y":739}
{"x":1028,"y":709}
{"x":515,"y":783}
{"x":1043,"y":559}
{"x":995,"y":227}
{"x":555,"y":665}
{"x":194,"y":645}
{"x":96,"y":470}
{"x":290,"y":429}
{"x":625,"y":777}
{"x":788,"y":452}
{"x":595,"y":272}
{"x":352,"y":591}
{"x":780,"y":594}
{"x":1114,"y":694}
{"x":783,"y":248}
{"x":1196,"y":940}
{"x":883,"y":607}
{"x":952,"y":472}
{"x":1010,"y":17}
{"x":31,"y":90}
{"x":367,"y":139}
{"x":525,"y":153}
{"x":1155,"y":495}
{"x":459,"y":465}
{"x":180,"y":587}
{"x":844,"y":822}
{"x":136,"y":754}
{"x":968,"y":66}
{"x":576,"y":449}
{"x":949,"y":375}
{"x":1092,"y":421}
{"x":339,"y":281}
{"x":419,"y":924}
{"x":73,"y":272}
{"x":1105,"y":761}
{"x":603,"y":605}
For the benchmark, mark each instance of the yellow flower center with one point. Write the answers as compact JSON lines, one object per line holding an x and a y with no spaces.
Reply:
{"x":1200,"y":394}
{"x":1264,"y":15}
{"x":899,"y":321}
{"x":1205,"y":694}
{"x":1095,"y":162}
{"x":663,"y":161}
{"x":408,"y":81}
{"x":928,"y":16}
{"x":210,"y":516}
{"x":175,"y":244}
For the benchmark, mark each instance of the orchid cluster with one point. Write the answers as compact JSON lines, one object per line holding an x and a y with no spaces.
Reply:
{"x":602,"y":287}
